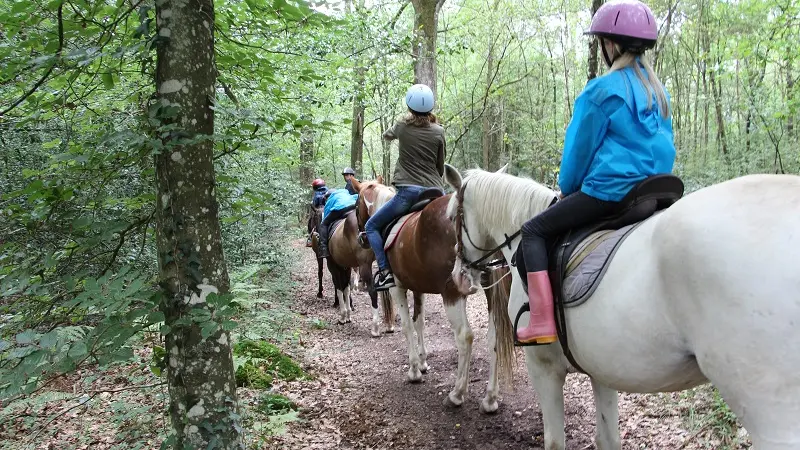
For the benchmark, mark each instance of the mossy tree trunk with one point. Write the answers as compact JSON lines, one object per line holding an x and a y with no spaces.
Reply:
{"x":202,"y":388}
{"x":426,"y":19}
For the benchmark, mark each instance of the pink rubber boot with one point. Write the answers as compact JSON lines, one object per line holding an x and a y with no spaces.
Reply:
{"x":541,"y":328}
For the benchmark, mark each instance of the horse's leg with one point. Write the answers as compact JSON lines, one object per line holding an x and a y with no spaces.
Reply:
{"x":547,"y":373}
{"x":419,"y":325}
{"x":457,"y":314}
{"x":607,"y":417}
{"x":489,"y":403}
{"x":348,"y":304}
{"x":343,"y":304}
{"x":399,"y":296}
{"x":319,"y":277}
{"x":376,"y":321}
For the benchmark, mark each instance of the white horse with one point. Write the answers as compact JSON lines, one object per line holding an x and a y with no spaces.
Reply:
{"x":709,"y":290}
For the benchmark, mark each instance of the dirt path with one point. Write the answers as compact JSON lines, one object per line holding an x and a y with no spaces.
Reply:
{"x":360,"y":399}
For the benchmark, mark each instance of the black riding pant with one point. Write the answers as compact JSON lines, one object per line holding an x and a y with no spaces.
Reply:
{"x":573,"y":211}
{"x":329,"y":220}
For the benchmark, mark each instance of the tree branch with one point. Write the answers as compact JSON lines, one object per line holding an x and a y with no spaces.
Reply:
{"x":49,"y":69}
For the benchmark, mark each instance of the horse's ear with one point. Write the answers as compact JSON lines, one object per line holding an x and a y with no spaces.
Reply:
{"x":356,"y":185}
{"x":452,"y":176}
{"x":503,"y":169}
{"x":380,"y":179}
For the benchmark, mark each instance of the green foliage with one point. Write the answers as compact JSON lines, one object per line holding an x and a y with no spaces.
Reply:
{"x":263,"y":362}
{"x":275,"y":404}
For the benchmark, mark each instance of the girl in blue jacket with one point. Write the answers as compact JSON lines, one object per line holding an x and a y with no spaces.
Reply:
{"x":620,"y":133}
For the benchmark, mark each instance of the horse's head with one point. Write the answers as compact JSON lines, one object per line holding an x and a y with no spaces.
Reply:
{"x":371,"y":196}
{"x":487,"y":211}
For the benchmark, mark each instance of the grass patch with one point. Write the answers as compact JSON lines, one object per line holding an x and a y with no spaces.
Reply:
{"x":712,"y":422}
{"x":263,"y":363}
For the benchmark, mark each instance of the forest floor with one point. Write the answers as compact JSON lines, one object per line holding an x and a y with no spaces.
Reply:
{"x":360,"y":398}
{"x":357,"y":396}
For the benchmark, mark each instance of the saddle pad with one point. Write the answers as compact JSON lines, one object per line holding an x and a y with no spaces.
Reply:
{"x":588,"y":264}
{"x":396,"y":230}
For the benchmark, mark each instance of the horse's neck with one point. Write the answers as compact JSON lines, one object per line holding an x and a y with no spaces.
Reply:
{"x":382,"y":196}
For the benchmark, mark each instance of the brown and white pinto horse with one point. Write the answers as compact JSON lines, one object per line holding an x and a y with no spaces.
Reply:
{"x":347,"y":254}
{"x":422,"y":259}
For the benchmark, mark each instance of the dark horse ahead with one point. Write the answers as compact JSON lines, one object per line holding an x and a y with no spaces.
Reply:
{"x":314,"y":219}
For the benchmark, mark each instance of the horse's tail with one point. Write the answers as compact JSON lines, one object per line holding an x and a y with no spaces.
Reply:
{"x":497,"y":296}
{"x":388,"y":309}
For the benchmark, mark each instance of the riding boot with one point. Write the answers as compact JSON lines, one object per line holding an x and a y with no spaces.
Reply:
{"x":541,"y":328}
{"x":323,"y":248}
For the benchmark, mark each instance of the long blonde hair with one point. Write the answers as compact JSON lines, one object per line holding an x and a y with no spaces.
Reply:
{"x":651,"y":83}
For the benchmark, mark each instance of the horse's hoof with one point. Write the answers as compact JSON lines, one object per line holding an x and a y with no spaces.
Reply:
{"x":375,"y":331}
{"x":390,"y":330}
{"x":424,"y":367}
{"x":449,"y":402}
{"x":414,"y":376}
{"x":336,"y":305}
{"x":488,"y":409}
{"x":348,"y":320}
{"x":341,"y":322}
{"x":319,"y":295}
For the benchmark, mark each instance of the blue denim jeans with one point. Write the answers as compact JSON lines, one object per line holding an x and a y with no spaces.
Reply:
{"x":399,"y":204}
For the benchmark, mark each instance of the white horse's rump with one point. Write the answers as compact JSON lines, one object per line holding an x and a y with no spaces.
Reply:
{"x":707,"y":290}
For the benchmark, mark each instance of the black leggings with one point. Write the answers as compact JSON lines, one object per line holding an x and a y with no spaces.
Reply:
{"x":329,"y":219}
{"x":573,"y":211}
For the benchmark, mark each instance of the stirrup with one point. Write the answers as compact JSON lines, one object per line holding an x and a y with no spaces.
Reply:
{"x":526,"y":307}
{"x":375,"y":281}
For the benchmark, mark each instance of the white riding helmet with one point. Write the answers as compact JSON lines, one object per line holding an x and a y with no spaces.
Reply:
{"x":419,"y":98}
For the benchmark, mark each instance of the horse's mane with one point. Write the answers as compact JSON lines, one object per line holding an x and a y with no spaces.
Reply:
{"x":505,"y":201}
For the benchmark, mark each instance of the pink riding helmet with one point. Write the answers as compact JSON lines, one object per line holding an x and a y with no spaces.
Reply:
{"x":628,"y":22}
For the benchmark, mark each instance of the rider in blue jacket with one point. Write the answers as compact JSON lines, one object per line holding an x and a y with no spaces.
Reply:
{"x":620,"y":133}
{"x":339,"y":203}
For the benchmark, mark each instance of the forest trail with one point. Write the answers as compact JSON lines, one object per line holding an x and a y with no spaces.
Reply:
{"x":361,"y":400}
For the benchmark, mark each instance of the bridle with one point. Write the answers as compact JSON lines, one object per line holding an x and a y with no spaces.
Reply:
{"x":479,"y":263}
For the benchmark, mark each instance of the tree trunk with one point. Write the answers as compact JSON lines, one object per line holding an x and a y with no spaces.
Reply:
{"x":789,"y":91}
{"x":593,"y":44}
{"x":357,"y":127}
{"x":423,"y":46}
{"x":486,"y":122}
{"x":200,"y":375}
{"x":664,"y":37}
{"x":306,"y":156}
{"x":718,"y":108}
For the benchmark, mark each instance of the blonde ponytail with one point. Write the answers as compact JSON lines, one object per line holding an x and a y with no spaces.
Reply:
{"x":651,"y":82}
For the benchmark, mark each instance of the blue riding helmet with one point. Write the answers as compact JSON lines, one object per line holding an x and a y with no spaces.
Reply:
{"x":419,"y":98}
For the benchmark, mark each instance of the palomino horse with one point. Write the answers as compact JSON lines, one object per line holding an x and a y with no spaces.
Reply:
{"x":346,"y":254}
{"x":422,"y":260}
{"x":314,"y":219}
{"x":708,"y":290}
